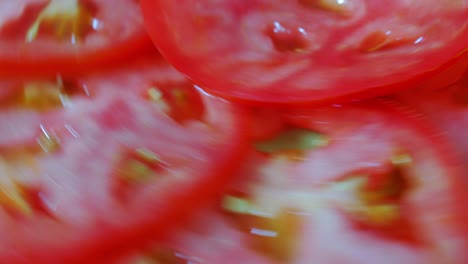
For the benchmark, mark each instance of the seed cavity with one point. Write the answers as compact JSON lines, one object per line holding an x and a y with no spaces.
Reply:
{"x":379,"y":215}
{"x":13,"y":197}
{"x":182,"y":103}
{"x":19,"y":199}
{"x":236,"y":205}
{"x":287,"y":39}
{"x":292,"y":141}
{"x":139,"y":166}
{"x":402,"y":159}
{"x":380,"y":195}
{"x":155,"y":95}
{"x":43,"y":95}
{"x":275,"y":236}
{"x":135,"y":169}
{"x":68,"y":20}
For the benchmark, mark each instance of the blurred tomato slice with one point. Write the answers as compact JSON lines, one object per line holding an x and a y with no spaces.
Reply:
{"x":129,"y":159}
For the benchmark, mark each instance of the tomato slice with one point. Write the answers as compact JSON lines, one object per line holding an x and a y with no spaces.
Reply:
{"x":308,"y":51}
{"x":68,"y":36}
{"x":112,"y":168}
{"x":357,"y":184}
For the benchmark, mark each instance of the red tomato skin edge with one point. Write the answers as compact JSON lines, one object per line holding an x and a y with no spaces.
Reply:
{"x":446,"y":153}
{"x":452,"y":65}
{"x":73,"y":65}
{"x":452,"y":70}
{"x":446,"y":74}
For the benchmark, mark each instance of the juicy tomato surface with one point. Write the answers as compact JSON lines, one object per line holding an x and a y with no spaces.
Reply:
{"x":114,"y":158}
{"x":308,"y":50}
{"x":354,"y":184}
{"x":68,"y":36}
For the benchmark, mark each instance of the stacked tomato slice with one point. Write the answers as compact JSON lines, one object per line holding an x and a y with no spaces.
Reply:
{"x":97,"y":170}
{"x":244,"y":132}
{"x":308,"y":50}
{"x":68,"y":36}
{"x":344,"y":190}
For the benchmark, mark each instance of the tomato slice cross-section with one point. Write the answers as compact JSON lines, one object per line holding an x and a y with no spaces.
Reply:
{"x":308,"y":51}
{"x":40,"y":37}
{"x":364,"y":183}
{"x":110,"y":169}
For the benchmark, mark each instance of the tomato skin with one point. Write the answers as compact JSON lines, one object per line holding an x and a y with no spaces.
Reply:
{"x":442,"y":63}
{"x":450,"y":74}
{"x":22,"y":65}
